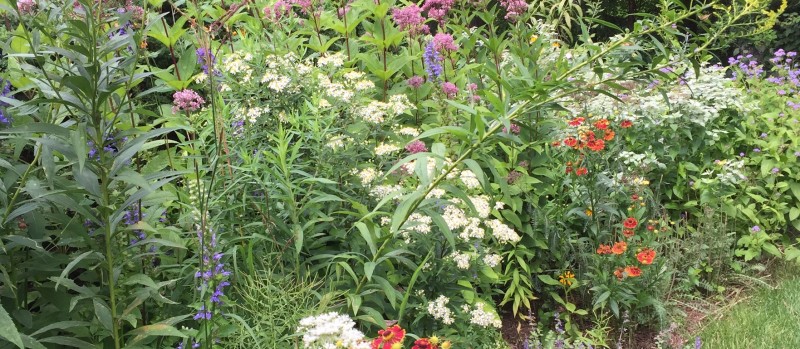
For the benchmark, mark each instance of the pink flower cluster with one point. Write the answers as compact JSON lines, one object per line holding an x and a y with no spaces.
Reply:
{"x":416,"y":147}
{"x":415,"y":81}
{"x":26,"y":6}
{"x":437,"y":9}
{"x":277,"y":11}
{"x":515,"y":129}
{"x":186,"y":100}
{"x":514,"y":8}
{"x":410,"y":19}
{"x":444,"y":42}
{"x":450,"y":89}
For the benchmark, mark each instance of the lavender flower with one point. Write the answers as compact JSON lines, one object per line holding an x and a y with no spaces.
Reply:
{"x":6,"y":92}
{"x":757,"y":150}
{"x":514,"y":8}
{"x":559,"y":327}
{"x":775,"y":170}
{"x":432,"y":62}
{"x":697,"y":342}
{"x":212,"y":274}
{"x":449,"y":89}
{"x":205,"y":58}
{"x":437,"y":9}
{"x":26,"y":6}
{"x":415,"y":81}
{"x":755,"y":229}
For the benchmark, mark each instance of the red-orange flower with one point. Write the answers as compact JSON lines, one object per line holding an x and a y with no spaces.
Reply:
{"x":651,"y":227}
{"x":609,"y":135}
{"x":555,"y":144}
{"x":646,"y":256}
{"x":630,"y":223}
{"x":618,"y":273}
{"x":571,"y":142}
{"x":388,"y":337}
{"x":569,"y":169}
{"x":628,"y":232}
{"x":581,"y":171}
{"x":619,"y":247}
{"x":634,"y":197}
{"x":596,"y":144}
{"x":632,"y":271}
{"x":626,"y":123}
{"x":576,"y":121}
{"x":604,"y":249}
{"x":587,"y":135}
{"x":424,"y":343}
{"x":601,"y":124}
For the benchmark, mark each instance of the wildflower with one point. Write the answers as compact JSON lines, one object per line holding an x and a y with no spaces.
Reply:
{"x":630,"y":223}
{"x":577,"y":121}
{"x":632,"y":271}
{"x":581,"y":171}
{"x":449,"y":89}
{"x":443,"y":42}
{"x":469,"y":179}
{"x":608,"y":135}
{"x":571,"y":142}
{"x":697,"y":341}
{"x":416,"y":147}
{"x":626,"y":124}
{"x":446,"y":345}
{"x":567,"y":278}
{"x":205,"y":58}
{"x":533,"y":39}
{"x":602,"y":124}
{"x":755,"y":229}
{"x":410,"y":19}
{"x":439,"y":310}
{"x":424,"y":343}
{"x":483,"y":318}
{"x":514,"y":8}
{"x":462,"y":260}
{"x":619,"y":273}
{"x":588,"y":212}
{"x":646,"y":256}
{"x":619,"y":247}
{"x":4,"y":118}
{"x":628,"y":233}
{"x":388,"y":337}
{"x":437,"y":9}
{"x":26,"y":6}
{"x":503,"y":233}
{"x":277,"y":11}
{"x":331,"y":330}
{"x":432,"y":62}
{"x":596,"y":144}
{"x":186,"y":100}
{"x":775,"y":170}
{"x":756,"y":150}
{"x":492,"y":260}
{"x":604,"y":249}
{"x":415,"y":81}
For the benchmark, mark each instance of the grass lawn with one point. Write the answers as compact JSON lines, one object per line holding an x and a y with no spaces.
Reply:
{"x":769,"y":319}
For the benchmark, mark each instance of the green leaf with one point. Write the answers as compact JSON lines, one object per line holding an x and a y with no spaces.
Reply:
{"x":103,"y":314}
{"x":369,"y":268}
{"x":8,"y":330}
{"x":547,"y":279}
{"x":162,"y":330}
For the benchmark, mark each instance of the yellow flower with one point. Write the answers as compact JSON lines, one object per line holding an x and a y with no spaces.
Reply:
{"x":555,"y":44}
{"x":446,"y":345}
{"x":588,"y":212}
{"x":533,"y":38}
{"x":397,"y":345}
{"x":566,"y":278}
{"x":434,"y":340}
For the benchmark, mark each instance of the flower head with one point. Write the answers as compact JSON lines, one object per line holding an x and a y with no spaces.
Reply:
{"x":646,"y":256}
{"x":26,"y":6}
{"x":619,"y":247}
{"x":632,"y":271}
{"x":450,"y":89}
{"x":415,"y":81}
{"x":630,"y":223}
{"x":416,"y":147}
{"x":186,"y":100}
{"x":388,"y":337}
{"x":410,"y":19}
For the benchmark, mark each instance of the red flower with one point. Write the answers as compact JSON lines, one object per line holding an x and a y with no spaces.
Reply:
{"x":569,"y":169}
{"x":609,"y":135}
{"x":619,"y":247}
{"x":634,"y":197}
{"x":626,"y":123}
{"x":646,"y":256}
{"x":632,"y":271}
{"x":581,"y":171}
{"x":601,"y":124}
{"x":630,"y":223}
{"x":628,"y":232}
{"x":651,"y":227}
{"x":604,"y":249}
{"x":596,"y":144}
{"x":618,"y":273}
{"x":555,"y":144}
{"x":587,"y":136}
{"x":571,"y":142}
{"x":576,"y":122}
{"x":388,"y":337}
{"x":424,"y":343}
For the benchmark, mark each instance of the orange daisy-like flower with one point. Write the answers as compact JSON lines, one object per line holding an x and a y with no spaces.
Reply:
{"x":628,"y":232}
{"x":388,"y":337}
{"x":571,"y":142}
{"x":602,"y":124}
{"x":626,"y":123}
{"x":596,"y":144}
{"x":630,"y":223}
{"x":581,"y":171}
{"x":618,"y":273}
{"x":555,"y":144}
{"x":604,"y":249}
{"x":646,"y":256}
{"x":587,"y":135}
{"x":576,"y":121}
{"x":609,"y":135}
{"x":619,"y":248}
{"x":632,"y":271}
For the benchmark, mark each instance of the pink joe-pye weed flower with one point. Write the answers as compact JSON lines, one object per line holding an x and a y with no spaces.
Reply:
{"x":444,"y":42}
{"x":449,"y":89}
{"x":514,"y":8}
{"x":410,"y":19}
{"x":416,"y":147}
{"x":437,"y":9}
{"x":186,"y":100}
{"x":26,"y":6}
{"x":415,"y":81}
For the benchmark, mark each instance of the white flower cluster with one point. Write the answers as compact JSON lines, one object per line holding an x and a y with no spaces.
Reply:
{"x":502,"y":232}
{"x":481,"y":204}
{"x":238,"y":64}
{"x":439,"y":310}
{"x":469,"y":179}
{"x":408,"y":131}
{"x":461,"y":260}
{"x":472,"y":230}
{"x":384,"y":149}
{"x":335,"y":60}
{"x":481,"y":317}
{"x":252,"y":114}
{"x":281,"y":69}
{"x":492,"y":260}
{"x":454,"y":217}
{"x":367,"y":175}
{"x":730,"y":171}
{"x":634,"y":161}
{"x":334,"y":90}
{"x":331,"y":331}
{"x":381,"y":191}
{"x":376,"y":112}
{"x":419,"y":223}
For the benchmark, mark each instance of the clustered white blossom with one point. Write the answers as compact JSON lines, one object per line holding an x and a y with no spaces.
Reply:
{"x":728,"y":171}
{"x":439,"y":310}
{"x":502,"y":232}
{"x":481,"y":317}
{"x":636,"y":161}
{"x":376,"y":112}
{"x":492,"y":260}
{"x":331,"y":331}
{"x":384,"y":149}
{"x":367,"y":175}
{"x":381,"y":191}
{"x":335,"y":60}
{"x":469,"y":179}
{"x":337,"y":142}
{"x":238,"y":64}
{"x":481,"y":204}
{"x":461,"y":260}
{"x":472,"y":230}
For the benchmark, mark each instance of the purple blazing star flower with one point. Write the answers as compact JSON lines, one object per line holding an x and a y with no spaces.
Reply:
{"x":432,"y":62}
